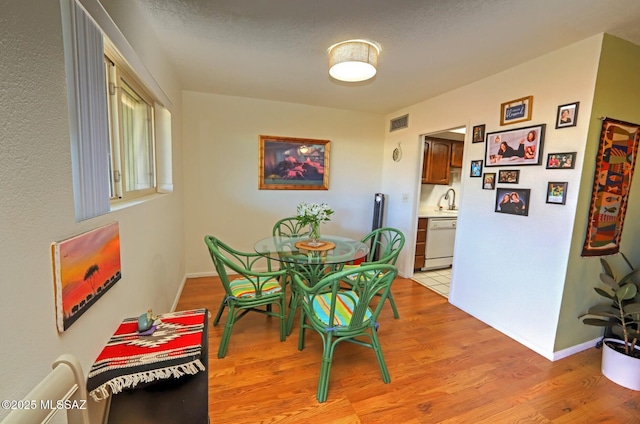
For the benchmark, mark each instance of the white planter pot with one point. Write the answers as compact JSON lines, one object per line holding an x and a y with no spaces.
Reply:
{"x":619,"y":368}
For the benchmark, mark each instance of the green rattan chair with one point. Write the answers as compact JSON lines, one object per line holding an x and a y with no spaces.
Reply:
{"x":290,"y":226}
{"x":249,"y":291}
{"x":386,"y":244}
{"x":344,"y":315}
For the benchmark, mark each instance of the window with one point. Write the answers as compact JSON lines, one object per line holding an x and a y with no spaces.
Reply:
{"x":120,"y":123}
{"x":131,"y":122}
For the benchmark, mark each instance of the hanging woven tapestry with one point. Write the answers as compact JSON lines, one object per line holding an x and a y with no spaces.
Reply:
{"x":614,"y":169}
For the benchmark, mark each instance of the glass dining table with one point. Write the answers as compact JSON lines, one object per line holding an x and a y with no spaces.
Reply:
{"x":312,"y":262}
{"x":331,"y":254}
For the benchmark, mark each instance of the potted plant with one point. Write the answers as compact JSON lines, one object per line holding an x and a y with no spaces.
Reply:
{"x":621,"y":354}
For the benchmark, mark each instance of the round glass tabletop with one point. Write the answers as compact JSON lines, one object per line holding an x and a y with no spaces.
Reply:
{"x":297,"y":250}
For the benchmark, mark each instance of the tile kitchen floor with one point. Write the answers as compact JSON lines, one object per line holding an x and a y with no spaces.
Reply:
{"x":437,"y":280}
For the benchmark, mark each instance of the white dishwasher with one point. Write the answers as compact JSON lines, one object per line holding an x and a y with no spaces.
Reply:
{"x":441,"y":235}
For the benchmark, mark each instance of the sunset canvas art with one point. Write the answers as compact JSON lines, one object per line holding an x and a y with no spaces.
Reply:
{"x":85,"y":267}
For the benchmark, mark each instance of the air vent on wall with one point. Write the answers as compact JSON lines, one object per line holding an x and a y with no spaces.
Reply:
{"x":399,"y":123}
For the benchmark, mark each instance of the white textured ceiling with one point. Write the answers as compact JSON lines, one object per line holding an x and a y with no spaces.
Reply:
{"x":277,"y":49}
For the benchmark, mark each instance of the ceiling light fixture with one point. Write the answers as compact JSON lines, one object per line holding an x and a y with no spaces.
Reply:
{"x":353,"y":60}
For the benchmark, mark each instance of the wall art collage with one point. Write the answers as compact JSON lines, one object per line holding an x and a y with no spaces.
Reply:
{"x":523,"y":146}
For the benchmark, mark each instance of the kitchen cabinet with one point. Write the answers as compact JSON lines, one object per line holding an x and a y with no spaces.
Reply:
{"x":457,"y":148}
{"x":437,"y":161}
{"x":421,"y":239}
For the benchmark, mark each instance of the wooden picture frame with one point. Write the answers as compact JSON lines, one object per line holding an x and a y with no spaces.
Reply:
{"x":476,"y":168}
{"x":565,"y":160}
{"x":557,"y":193}
{"x":567,"y":115}
{"x":489,"y":181}
{"x":478,"y":134}
{"x":289,"y":163}
{"x":518,"y":146}
{"x":512,"y":201}
{"x":518,"y":110}
{"x":509,"y":176}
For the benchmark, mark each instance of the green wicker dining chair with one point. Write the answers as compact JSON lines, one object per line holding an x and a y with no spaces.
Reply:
{"x":386,"y":244}
{"x":344,"y":315}
{"x":249,"y":291}
{"x":290,"y":226}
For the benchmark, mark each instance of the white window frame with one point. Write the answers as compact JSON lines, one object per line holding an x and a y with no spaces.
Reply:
{"x":118,"y":75}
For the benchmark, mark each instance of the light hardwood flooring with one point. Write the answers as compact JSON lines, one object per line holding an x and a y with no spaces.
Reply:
{"x":445,"y":366}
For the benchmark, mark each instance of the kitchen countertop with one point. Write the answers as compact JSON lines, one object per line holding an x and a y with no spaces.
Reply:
{"x":433,"y":212}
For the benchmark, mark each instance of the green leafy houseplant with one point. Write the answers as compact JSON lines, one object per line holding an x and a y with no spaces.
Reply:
{"x":622,"y":313}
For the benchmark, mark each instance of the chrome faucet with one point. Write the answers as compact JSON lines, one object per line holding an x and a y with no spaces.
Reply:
{"x":452,"y":203}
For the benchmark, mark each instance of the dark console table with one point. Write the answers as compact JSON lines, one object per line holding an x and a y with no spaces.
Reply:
{"x":172,"y":401}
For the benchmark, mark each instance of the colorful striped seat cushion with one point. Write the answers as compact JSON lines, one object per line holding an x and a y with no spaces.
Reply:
{"x":244,"y":288}
{"x":345,"y":305}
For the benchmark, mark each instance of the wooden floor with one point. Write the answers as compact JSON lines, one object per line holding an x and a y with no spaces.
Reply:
{"x":445,"y":366}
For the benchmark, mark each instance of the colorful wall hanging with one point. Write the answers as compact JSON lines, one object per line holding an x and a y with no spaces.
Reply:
{"x":612,"y":181}
{"x":84,"y":268}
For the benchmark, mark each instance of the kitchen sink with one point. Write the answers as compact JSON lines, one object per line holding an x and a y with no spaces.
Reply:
{"x":454,"y":211}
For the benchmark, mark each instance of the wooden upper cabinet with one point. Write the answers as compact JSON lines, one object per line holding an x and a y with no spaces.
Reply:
{"x":457,"y":148}
{"x":437,"y":161}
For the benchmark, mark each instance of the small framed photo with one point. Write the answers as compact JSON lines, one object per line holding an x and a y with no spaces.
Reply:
{"x":567,"y":115}
{"x":557,"y":193}
{"x":518,"y":110}
{"x":476,"y":168}
{"x":566,"y":160}
{"x":509,"y":176}
{"x":514,"y":202}
{"x":489,"y":181}
{"x":478,"y":133}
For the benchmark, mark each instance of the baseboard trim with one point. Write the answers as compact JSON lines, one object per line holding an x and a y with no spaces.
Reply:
{"x":177,"y":298}
{"x":201,"y":274}
{"x":575,"y":349}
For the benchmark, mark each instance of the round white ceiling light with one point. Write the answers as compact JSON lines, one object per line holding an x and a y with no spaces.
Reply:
{"x":353,"y":60}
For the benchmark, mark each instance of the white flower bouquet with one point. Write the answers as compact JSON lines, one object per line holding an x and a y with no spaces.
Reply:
{"x":309,"y":213}
{"x":313,"y":214}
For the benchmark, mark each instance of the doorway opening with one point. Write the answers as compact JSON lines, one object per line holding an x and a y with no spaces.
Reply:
{"x":438,"y":207}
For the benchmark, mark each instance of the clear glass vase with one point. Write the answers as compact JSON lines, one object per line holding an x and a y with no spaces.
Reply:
{"x":314,"y":234}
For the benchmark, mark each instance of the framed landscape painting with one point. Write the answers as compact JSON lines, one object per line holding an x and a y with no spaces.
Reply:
{"x":84,"y":267}
{"x":287,"y":163}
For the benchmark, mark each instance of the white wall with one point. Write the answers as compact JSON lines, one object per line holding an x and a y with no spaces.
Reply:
{"x":432,"y":194}
{"x":508,"y":270}
{"x":37,"y":208}
{"x":221,"y":170}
